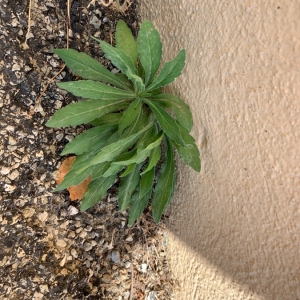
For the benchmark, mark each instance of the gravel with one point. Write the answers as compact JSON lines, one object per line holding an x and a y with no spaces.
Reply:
{"x":48,"y":248}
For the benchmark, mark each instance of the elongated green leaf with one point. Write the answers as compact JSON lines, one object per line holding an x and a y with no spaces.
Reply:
{"x":190,"y":155}
{"x":169,"y":72}
{"x":151,"y":142}
{"x":137,"y":81}
{"x":188,"y":139}
{"x":88,"y":68}
{"x":125,"y":81}
{"x":118,"y":57}
{"x":137,"y":206}
{"x":166,"y":122}
{"x":125,"y":40}
{"x":113,"y":169}
{"x":153,"y":159}
{"x":165,"y":185}
{"x":139,"y":122}
{"x":180,"y":109}
{"x":126,"y":155}
{"x":149,"y":47}
{"x":108,"y":119}
{"x":128,"y":170}
{"x":85,"y":141}
{"x":108,"y":153}
{"x":95,"y":90}
{"x":146,"y":182}
{"x":97,"y":189}
{"x":127,"y":186}
{"x":130,"y":114}
{"x":84,"y":112}
{"x":144,"y":150}
{"x":116,"y":168}
{"x":99,"y":170}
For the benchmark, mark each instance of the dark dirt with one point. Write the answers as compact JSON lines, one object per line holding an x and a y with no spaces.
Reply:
{"x":48,"y":248}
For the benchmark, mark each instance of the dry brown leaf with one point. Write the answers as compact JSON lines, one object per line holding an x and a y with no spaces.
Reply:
{"x":76,"y":191}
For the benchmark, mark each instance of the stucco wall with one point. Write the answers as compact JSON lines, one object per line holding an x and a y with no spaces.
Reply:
{"x":234,"y":228}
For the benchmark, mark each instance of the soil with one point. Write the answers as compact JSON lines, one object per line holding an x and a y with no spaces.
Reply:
{"x":48,"y":248}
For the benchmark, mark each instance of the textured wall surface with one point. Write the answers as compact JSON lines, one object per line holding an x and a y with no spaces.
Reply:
{"x":234,"y":228}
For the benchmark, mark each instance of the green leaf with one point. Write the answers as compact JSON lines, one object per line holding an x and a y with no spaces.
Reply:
{"x":85,"y":141}
{"x":125,"y":156}
{"x":166,"y":122}
{"x":116,"y":168}
{"x":165,"y":185}
{"x":151,"y":142}
{"x":130,"y":114}
{"x":189,"y":154}
{"x":99,"y":170}
{"x":108,"y":119}
{"x":180,"y":109}
{"x":153,"y":159}
{"x":139,"y":123}
{"x":108,"y":153}
{"x":125,"y":40}
{"x":127,"y":186}
{"x":143,"y":151}
{"x":84,"y":112}
{"x":95,"y":90}
{"x":149,"y":47}
{"x":125,"y":80}
{"x":146,"y":182}
{"x":118,"y":57}
{"x":128,"y":170}
{"x":137,"y":206}
{"x":137,"y":81}
{"x":113,"y":169}
{"x":97,"y":189}
{"x":88,"y":68}
{"x":169,"y":72}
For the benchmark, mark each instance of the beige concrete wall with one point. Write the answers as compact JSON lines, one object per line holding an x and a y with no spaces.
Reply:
{"x":234,"y":228}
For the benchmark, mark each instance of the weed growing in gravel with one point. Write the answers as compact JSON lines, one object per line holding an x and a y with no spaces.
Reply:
{"x":132,"y":127}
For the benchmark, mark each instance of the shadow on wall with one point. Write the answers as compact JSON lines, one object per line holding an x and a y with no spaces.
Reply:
{"x":242,"y":213}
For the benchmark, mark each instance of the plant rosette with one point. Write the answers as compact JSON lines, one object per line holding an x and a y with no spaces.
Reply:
{"x":133,"y":125}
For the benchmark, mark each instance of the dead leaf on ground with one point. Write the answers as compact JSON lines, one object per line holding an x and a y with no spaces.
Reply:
{"x":76,"y":191}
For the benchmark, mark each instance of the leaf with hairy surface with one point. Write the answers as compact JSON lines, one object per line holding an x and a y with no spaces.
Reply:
{"x":153,"y":159}
{"x":125,"y":41}
{"x":84,"y":112}
{"x":130,"y":114}
{"x":127,"y":186}
{"x":86,"y":67}
{"x":137,"y":206}
{"x":169,"y":72}
{"x":89,"y":89}
{"x":166,"y":122}
{"x":165,"y":185}
{"x":149,"y":47}
{"x":97,"y":189}
{"x":87,"y":140}
{"x":118,"y":57}
{"x":110,"y":152}
{"x":108,"y":119}
{"x":180,"y":109}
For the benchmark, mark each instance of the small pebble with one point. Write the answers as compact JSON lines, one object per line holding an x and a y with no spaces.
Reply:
{"x":115,"y":257}
{"x":144,"y":268}
{"x":72,"y":210}
{"x":61,"y":243}
{"x":88,"y":246}
{"x":43,"y":216}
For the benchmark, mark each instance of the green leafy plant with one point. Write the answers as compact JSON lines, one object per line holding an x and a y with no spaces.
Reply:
{"x":134,"y":133}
